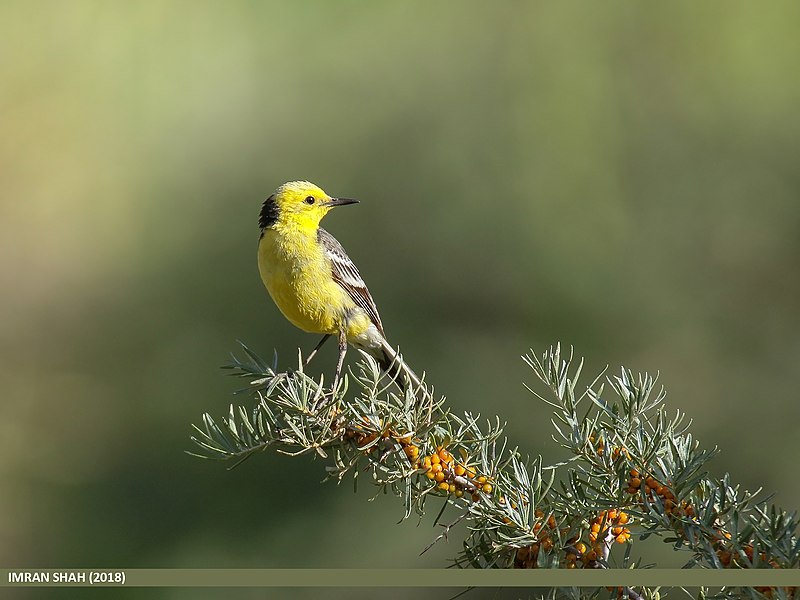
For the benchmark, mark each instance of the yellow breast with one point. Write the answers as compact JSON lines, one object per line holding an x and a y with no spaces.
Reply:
{"x":297,"y":275}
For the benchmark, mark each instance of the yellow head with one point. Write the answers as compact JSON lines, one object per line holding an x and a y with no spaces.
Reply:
{"x":299,"y":204}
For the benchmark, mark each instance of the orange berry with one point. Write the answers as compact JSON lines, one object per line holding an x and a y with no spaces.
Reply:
{"x":616,"y":530}
{"x":591,"y":555}
{"x":439,"y":476}
{"x":621,"y":539}
{"x":435,"y":458}
{"x":595,"y":527}
{"x":580,"y":547}
{"x":623,"y":518}
{"x":635,"y":482}
{"x":487,"y":488}
{"x":430,"y":474}
{"x":459,"y":493}
{"x":482,"y":479}
{"x":443,"y":486}
{"x":451,"y":488}
{"x":437,"y":468}
{"x":459,"y":470}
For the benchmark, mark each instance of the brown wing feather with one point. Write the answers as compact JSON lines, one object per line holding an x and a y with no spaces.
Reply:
{"x":346,"y":274}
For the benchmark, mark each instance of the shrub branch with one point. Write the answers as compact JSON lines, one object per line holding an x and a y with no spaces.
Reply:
{"x":634,"y":470}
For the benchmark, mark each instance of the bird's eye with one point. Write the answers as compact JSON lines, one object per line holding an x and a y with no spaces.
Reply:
{"x":310,"y":200}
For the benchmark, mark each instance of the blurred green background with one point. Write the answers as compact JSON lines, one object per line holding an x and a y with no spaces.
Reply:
{"x":620,"y":177}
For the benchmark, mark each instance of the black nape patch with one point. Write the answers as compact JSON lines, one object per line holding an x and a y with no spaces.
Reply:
{"x":269,"y":213}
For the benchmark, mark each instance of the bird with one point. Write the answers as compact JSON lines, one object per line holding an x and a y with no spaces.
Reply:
{"x":313,"y":281}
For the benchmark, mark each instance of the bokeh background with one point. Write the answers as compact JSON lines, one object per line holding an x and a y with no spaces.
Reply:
{"x":615,"y":176}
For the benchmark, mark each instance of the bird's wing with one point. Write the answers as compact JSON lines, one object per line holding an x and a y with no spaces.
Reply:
{"x":346,"y":274}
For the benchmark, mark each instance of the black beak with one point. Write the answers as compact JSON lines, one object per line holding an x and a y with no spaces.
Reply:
{"x":340,"y":201}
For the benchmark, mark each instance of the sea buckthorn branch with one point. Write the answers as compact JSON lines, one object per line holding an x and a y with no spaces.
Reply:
{"x":394,"y":434}
{"x":631,"y":458}
{"x":633,"y":470}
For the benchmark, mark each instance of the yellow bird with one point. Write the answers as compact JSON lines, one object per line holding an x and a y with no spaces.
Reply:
{"x":312,"y":280}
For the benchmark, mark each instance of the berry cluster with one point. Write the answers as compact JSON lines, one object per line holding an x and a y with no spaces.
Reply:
{"x":449,"y":475}
{"x":545,"y":531}
{"x":734,"y":560}
{"x":653,"y":488}
{"x":365,"y":435}
{"x":368,"y":439}
{"x":578,"y":554}
{"x":526,"y":557}
{"x":613,"y":520}
{"x":452,"y":477}
{"x":608,"y":527}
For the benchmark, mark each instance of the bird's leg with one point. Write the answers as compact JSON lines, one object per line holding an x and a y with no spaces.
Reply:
{"x":342,"y":352}
{"x":316,"y":349}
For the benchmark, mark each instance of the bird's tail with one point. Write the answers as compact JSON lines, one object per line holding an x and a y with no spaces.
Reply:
{"x":397,"y":368}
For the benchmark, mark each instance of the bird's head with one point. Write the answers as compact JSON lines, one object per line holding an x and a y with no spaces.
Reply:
{"x":299,"y":203}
